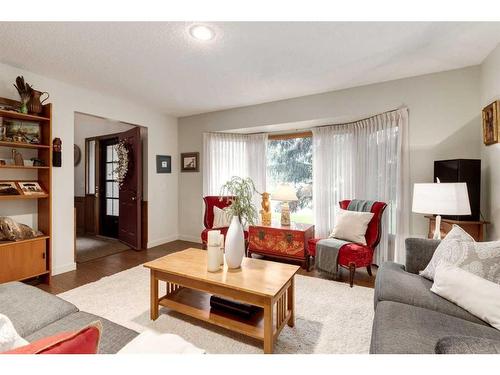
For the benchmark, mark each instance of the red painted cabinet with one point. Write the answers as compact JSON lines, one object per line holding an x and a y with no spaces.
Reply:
{"x":286,"y":242}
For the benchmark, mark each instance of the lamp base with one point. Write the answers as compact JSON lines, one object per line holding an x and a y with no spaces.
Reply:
{"x":285,"y":214}
{"x":437,"y":228}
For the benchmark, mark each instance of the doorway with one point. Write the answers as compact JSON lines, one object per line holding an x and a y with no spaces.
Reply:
{"x":109,"y":188}
{"x":109,"y":211}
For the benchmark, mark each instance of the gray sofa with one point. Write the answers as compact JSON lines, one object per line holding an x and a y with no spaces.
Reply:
{"x":36,"y":314}
{"x":410,"y":319}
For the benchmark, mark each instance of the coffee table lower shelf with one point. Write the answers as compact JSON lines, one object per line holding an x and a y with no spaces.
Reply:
{"x":197,"y":305}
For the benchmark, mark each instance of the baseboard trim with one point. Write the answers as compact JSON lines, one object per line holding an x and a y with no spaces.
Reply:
{"x":162,"y":241}
{"x":63,"y":269}
{"x":189,"y":238}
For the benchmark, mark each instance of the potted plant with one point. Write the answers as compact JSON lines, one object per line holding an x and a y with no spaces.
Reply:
{"x":242,"y":212}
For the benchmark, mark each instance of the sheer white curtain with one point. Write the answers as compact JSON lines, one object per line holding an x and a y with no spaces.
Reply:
{"x":227,"y":155}
{"x":367,"y":159}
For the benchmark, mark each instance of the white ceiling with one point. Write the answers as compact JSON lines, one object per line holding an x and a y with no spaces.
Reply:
{"x":160,"y":65}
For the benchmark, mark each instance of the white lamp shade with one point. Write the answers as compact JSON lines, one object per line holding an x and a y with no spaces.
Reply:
{"x":441,"y":199}
{"x":284,"y":193}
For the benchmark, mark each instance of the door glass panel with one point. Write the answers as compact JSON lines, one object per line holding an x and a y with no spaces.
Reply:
{"x":112,"y":187}
{"x":109,"y":189}
{"x":110,"y":171}
{"x":109,"y":153}
{"x":112,"y":190}
{"x":115,"y":154}
{"x":109,"y":207}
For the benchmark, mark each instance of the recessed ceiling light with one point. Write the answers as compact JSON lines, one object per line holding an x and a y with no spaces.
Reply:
{"x":201,"y":32}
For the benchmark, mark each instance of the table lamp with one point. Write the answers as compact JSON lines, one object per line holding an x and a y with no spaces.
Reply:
{"x":441,"y":199}
{"x":284,"y":193}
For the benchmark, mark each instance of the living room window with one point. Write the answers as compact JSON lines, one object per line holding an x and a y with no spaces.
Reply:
{"x":289,"y":161}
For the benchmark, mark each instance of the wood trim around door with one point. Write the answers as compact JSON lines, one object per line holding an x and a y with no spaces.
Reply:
{"x":144,"y":225}
{"x":95,"y":199}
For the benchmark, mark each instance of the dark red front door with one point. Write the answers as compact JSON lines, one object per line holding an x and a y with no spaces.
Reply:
{"x":130,"y":197}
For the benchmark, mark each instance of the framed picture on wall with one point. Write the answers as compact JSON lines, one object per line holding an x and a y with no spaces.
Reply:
{"x":190,"y":162}
{"x":490,"y":123}
{"x":163,"y":164}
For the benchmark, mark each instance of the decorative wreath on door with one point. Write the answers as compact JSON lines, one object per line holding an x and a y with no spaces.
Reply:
{"x":122,"y":151}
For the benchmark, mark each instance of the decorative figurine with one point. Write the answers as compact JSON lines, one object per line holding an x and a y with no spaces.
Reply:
{"x":265,"y":213}
{"x":37,"y":162}
{"x":24,"y":90}
{"x":56,"y":152}
{"x":17,"y":157}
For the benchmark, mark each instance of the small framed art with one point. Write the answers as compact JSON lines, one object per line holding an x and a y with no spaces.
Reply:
{"x":490,"y":123}
{"x":163,"y":164}
{"x":190,"y":162}
{"x":8,"y":188}
{"x":31,"y":188}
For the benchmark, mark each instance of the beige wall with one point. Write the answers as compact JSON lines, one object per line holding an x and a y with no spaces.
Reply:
{"x":67,"y":100}
{"x":444,"y":123}
{"x":490,"y":155}
{"x":86,"y":127}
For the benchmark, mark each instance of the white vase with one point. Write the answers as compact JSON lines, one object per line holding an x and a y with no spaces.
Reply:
{"x":235,"y":244}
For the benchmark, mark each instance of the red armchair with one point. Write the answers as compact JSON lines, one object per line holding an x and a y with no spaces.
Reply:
{"x":208,"y":219}
{"x":352,"y":255}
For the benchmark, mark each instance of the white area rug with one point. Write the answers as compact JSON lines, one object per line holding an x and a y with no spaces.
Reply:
{"x":331,"y":317}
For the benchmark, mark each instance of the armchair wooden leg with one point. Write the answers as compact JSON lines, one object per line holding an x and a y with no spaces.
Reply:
{"x":310,"y":261}
{"x":369,"y":270}
{"x":352,"y":271}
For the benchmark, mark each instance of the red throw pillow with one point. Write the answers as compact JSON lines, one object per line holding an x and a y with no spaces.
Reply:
{"x":85,"y":341}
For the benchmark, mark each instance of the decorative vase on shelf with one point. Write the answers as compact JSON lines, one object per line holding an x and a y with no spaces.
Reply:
{"x":35,"y":104}
{"x":24,"y":108}
{"x":235,"y":243}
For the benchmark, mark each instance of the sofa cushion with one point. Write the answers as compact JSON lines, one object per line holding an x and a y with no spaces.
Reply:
{"x":30,"y":308}
{"x":9,"y":338}
{"x":113,"y":338}
{"x":404,"y":329}
{"x":467,"y":345}
{"x":419,"y":252}
{"x":478,"y":296}
{"x":460,"y":249}
{"x":84,"y":341}
{"x":393,"y":283}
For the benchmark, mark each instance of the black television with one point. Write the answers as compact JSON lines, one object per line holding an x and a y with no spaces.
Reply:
{"x":462,"y":170}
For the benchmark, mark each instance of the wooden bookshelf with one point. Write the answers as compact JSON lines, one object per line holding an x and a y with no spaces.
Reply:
{"x":9,"y":243}
{"x":22,"y":167}
{"x":22,"y":145}
{"x":14,"y":197}
{"x":27,"y":259}
{"x":22,"y":116}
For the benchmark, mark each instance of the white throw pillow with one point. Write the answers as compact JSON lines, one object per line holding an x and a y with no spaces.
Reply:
{"x":351,"y":226}
{"x":460,"y":249}
{"x":151,"y":342}
{"x":221,"y":219}
{"x":478,"y":296}
{"x":9,"y":339}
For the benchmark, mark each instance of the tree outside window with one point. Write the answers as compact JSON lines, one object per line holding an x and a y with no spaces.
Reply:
{"x":290,"y":161}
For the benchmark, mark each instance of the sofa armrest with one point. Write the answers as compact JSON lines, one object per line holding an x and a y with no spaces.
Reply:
{"x":467,"y":345}
{"x":419,"y":253}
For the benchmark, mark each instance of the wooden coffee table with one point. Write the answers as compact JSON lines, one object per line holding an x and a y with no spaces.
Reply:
{"x":268,"y":285}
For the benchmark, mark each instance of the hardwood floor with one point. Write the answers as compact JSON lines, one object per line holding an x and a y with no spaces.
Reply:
{"x":95,"y":269}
